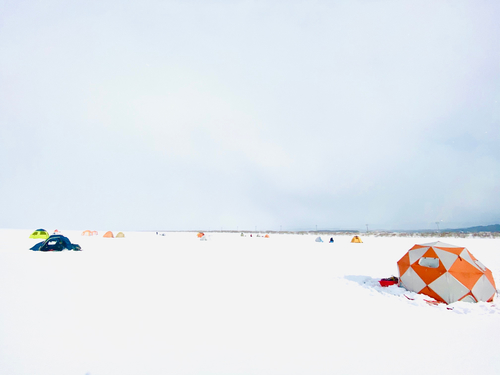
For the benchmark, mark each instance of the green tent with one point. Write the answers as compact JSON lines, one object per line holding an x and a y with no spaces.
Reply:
{"x":40,"y":233}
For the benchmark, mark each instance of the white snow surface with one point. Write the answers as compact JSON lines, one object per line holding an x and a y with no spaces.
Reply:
{"x":150,"y":304}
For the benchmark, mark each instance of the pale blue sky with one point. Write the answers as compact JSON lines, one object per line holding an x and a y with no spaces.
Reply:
{"x":243,"y":114}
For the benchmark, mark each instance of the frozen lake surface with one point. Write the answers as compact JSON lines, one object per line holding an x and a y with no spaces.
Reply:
{"x":149,"y":304}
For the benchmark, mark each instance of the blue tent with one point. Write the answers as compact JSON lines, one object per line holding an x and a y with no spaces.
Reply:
{"x":56,"y":242}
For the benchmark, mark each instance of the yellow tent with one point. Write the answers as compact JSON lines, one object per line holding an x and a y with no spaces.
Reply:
{"x":40,"y":233}
{"x":120,"y":235}
{"x":356,"y":239}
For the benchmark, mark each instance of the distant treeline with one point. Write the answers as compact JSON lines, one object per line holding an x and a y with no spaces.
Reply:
{"x":487,"y":231}
{"x":443,"y":234}
{"x":486,"y":228}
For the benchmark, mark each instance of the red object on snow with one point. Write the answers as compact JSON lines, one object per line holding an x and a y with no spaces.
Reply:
{"x":387,"y":282}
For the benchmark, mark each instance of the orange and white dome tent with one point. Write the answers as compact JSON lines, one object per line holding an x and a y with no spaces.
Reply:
{"x":446,"y":273}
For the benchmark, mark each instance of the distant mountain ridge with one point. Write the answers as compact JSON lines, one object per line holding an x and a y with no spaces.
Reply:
{"x":486,"y":228}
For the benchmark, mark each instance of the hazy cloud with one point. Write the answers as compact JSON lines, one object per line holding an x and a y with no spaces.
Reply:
{"x":184,"y":115}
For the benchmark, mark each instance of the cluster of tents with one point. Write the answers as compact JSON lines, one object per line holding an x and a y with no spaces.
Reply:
{"x":43,"y":234}
{"x":355,"y":239}
{"x":58,"y":242}
{"x":55,"y":242}
{"x":445,"y":272}
{"x":108,"y":234}
{"x":257,"y":235}
{"x":203,"y":237}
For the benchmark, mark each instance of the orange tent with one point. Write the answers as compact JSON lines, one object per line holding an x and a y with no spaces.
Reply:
{"x":446,"y":273}
{"x":356,"y":239}
{"x":87,"y":233}
{"x":109,"y":234}
{"x":200,"y":234}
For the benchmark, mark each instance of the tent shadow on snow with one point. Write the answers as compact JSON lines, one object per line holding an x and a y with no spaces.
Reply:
{"x":369,"y":282}
{"x":373,"y":284}
{"x":362,"y":280}
{"x":366,"y":281}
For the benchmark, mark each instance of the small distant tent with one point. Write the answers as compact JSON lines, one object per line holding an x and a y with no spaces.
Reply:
{"x":120,"y":235}
{"x":87,"y":233}
{"x":318,"y":239}
{"x":40,"y":233}
{"x":356,"y":239}
{"x":200,"y":234}
{"x":108,"y":234}
{"x":446,"y":273}
{"x":266,"y":236}
{"x":57,"y":231}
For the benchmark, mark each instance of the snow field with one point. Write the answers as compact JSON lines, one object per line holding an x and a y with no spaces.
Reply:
{"x":149,"y":304}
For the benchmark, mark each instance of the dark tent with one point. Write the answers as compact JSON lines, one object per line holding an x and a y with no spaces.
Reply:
{"x":56,"y":242}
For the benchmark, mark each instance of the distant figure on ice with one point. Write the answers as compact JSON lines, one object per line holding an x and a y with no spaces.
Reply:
{"x":331,"y":240}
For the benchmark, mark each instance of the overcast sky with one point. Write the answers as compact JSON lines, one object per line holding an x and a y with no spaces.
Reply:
{"x":249,"y":114}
